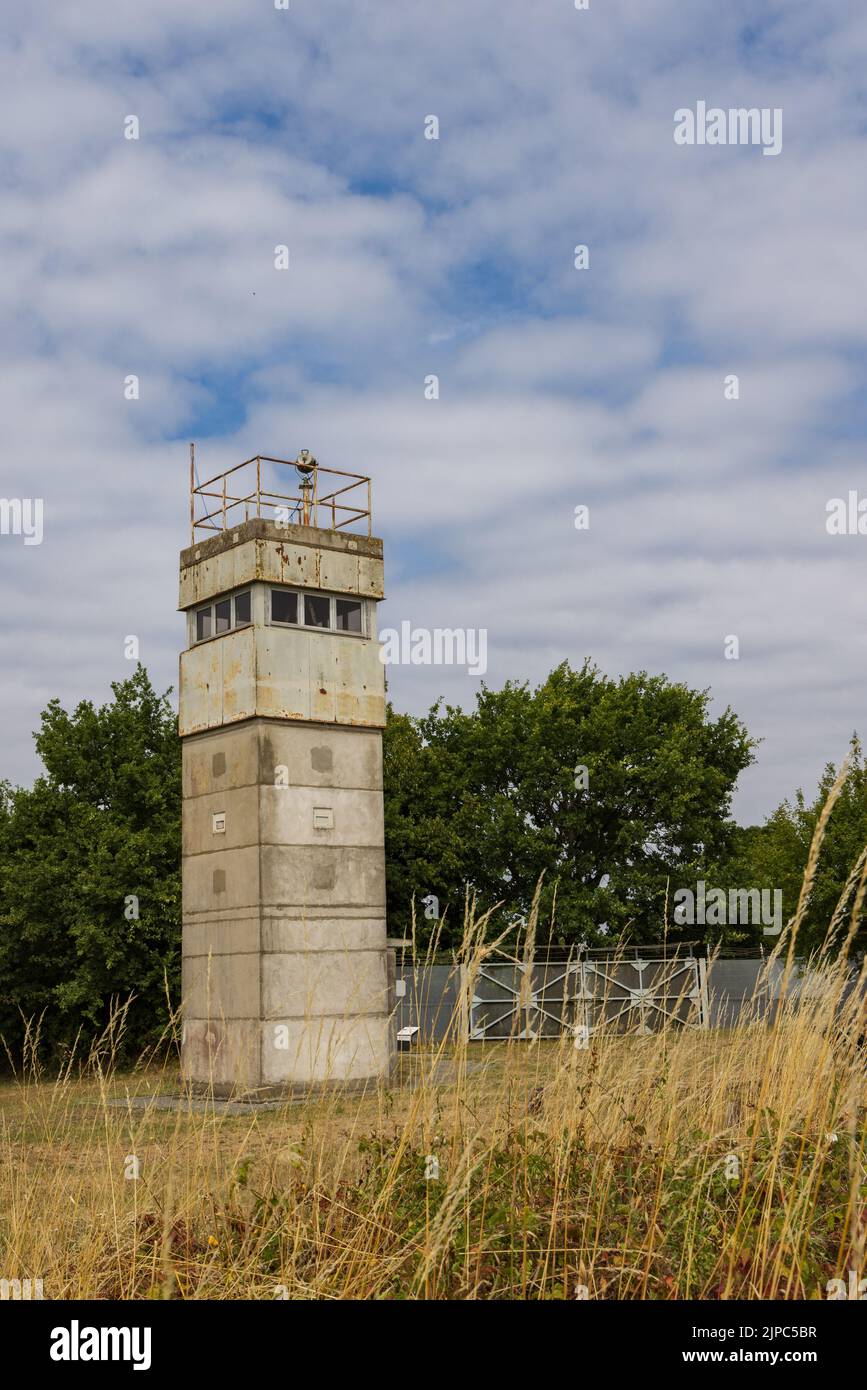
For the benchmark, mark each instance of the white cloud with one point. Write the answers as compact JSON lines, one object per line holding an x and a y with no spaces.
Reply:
{"x":454,"y":257}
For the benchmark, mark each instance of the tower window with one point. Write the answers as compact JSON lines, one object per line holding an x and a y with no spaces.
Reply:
{"x":347,"y":615}
{"x":284,"y":606}
{"x":216,"y":618}
{"x":317,"y":611}
{"x":324,"y":611}
{"x":223,"y":611}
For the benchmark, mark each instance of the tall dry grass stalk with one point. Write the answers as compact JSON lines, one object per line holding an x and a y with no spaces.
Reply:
{"x":687,"y":1163}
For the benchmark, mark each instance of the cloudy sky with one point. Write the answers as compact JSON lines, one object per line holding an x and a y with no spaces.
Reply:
{"x":412,"y":257}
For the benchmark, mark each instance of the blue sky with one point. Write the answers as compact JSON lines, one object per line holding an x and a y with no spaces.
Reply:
{"x":410,"y":257}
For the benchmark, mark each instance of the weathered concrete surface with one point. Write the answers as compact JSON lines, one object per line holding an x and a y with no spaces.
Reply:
{"x":221,"y":1055}
{"x":315,"y":876}
{"x":283,"y":934}
{"x":321,"y":758}
{"x":277,"y":672}
{"x":260,"y":550}
{"x":281,"y":673}
{"x":289,"y":929}
{"x":315,"y":984}
{"x":220,"y":880}
{"x":224,"y":987}
{"x":238,"y":931}
{"x":284,"y":939}
{"x":228,"y":758}
{"x":324,"y":1051}
{"x":241,"y":821}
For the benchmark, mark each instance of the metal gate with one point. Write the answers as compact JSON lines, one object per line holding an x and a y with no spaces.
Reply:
{"x":584,"y":995}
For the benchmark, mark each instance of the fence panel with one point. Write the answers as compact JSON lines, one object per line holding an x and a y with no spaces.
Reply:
{"x":630,"y":995}
{"x":543,"y":1000}
{"x":510,"y":999}
{"x":639,"y":996}
{"x":426,"y":997}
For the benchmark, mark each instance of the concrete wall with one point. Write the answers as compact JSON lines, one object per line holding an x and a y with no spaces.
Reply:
{"x":284,"y":924}
{"x":271,"y":672}
{"x":301,"y":555}
{"x":284,"y":941}
{"x":281,"y":673}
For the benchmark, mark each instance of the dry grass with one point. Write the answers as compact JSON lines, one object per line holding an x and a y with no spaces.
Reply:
{"x":681,"y":1164}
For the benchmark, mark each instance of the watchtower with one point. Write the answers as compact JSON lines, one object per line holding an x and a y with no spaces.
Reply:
{"x":282,"y":702}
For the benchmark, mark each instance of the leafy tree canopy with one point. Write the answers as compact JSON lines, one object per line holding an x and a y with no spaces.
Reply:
{"x":494,"y":798}
{"x":774,"y":855}
{"x":93,"y":842}
{"x":613,"y":791}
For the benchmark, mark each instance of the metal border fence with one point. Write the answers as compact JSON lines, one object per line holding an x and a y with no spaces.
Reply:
{"x":546,"y":998}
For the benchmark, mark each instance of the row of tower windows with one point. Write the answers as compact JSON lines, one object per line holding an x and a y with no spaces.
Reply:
{"x":316,"y":610}
{"x":285,"y":608}
{"x":221,"y":616}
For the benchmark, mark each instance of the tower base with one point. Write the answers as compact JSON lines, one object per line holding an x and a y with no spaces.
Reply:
{"x":285,"y":975}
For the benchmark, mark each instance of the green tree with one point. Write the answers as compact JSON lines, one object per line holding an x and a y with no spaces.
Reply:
{"x":613,"y":791}
{"x":774,"y":856}
{"x":90,"y":870}
{"x":493,"y":799}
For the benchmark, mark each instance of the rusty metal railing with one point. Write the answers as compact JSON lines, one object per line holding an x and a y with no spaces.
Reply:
{"x":244,"y":491}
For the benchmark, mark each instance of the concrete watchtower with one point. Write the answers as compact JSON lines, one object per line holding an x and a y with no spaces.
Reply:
{"x":282,"y":700}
